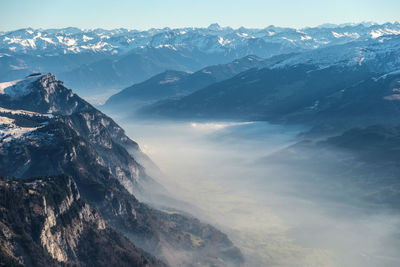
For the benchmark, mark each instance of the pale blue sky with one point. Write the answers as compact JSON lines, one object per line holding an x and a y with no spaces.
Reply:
{"x":15,"y":14}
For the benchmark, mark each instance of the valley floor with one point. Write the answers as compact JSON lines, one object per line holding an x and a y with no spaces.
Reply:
{"x":271,"y":212}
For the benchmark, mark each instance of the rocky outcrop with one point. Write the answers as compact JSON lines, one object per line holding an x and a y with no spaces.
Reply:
{"x":45,"y":94}
{"x":59,"y":242}
{"x":44,"y":222}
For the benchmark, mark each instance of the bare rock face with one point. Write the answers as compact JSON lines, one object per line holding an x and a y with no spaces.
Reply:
{"x":59,"y":242}
{"x":44,"y":222}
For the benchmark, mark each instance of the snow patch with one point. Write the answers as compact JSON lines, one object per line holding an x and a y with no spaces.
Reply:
{"x":9,"y":131}
{"x":287,"y":39}
{"x":166,"y":46}
{"x":242,"y":34}
{"x":346,"y":34}
{"x":17,"y":88}
{"x":87,"y":38}
{"x":170,"y":80}
{"x":396,"y":72}
{"x":23,"y":112}
{"x":394,"y":97}
{"x":13,"y":67}
{"x":206,"y":72}
{"x":69,"y":41}
{"x":48,"y":40}
{"x":376,"y":34}
{"x":305,"y":37}
{"x":6,"y":85}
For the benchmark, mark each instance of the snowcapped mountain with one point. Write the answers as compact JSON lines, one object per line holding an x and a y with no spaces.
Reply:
{"x":100,"y":62}
{"x":375,"y":56}
{"x":381,"y":54}
{"x":209,"y":40}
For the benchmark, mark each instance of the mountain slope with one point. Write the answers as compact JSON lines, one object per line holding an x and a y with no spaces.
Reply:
{"x":82,"y":142}
{"x":267,"y":94}
{"x":44,"y":222}
{"x":115,"y":72}
{"x":174,"y":84}
{"x":359,"y":166}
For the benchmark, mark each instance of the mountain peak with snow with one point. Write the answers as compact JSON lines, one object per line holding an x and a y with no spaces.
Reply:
{"x":42,"y":93}
{"x":18,"y":88}
{"x":120,"y":41}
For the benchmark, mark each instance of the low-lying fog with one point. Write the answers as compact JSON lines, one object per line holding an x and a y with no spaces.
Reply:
{"x":269,"y":210}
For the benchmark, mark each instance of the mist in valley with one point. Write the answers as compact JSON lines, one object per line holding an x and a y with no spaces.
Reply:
{"x":279,"y":212}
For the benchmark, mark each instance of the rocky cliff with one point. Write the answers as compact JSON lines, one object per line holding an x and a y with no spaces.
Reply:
{"x":45,"y":222}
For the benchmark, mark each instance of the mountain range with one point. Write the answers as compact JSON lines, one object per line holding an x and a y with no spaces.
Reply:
{"x":174,"y":84}
{"x":207,"y":40}
{"x":103,"y":61}
{"x":354,"y":83}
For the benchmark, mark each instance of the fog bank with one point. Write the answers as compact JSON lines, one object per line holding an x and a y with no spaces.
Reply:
{"x":277,"y":213}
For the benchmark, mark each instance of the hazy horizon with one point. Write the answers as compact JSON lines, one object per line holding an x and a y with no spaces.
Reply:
{"x":177,"y":14}
{"x":327,"y":24}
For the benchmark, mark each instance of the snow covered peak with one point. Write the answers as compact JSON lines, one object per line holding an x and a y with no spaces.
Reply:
{"x":22,"y":87}
{"x":210,"y":39}
{"x":41,"y":93}
{"x":18,"y":88}
{"x":381,"y":54}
